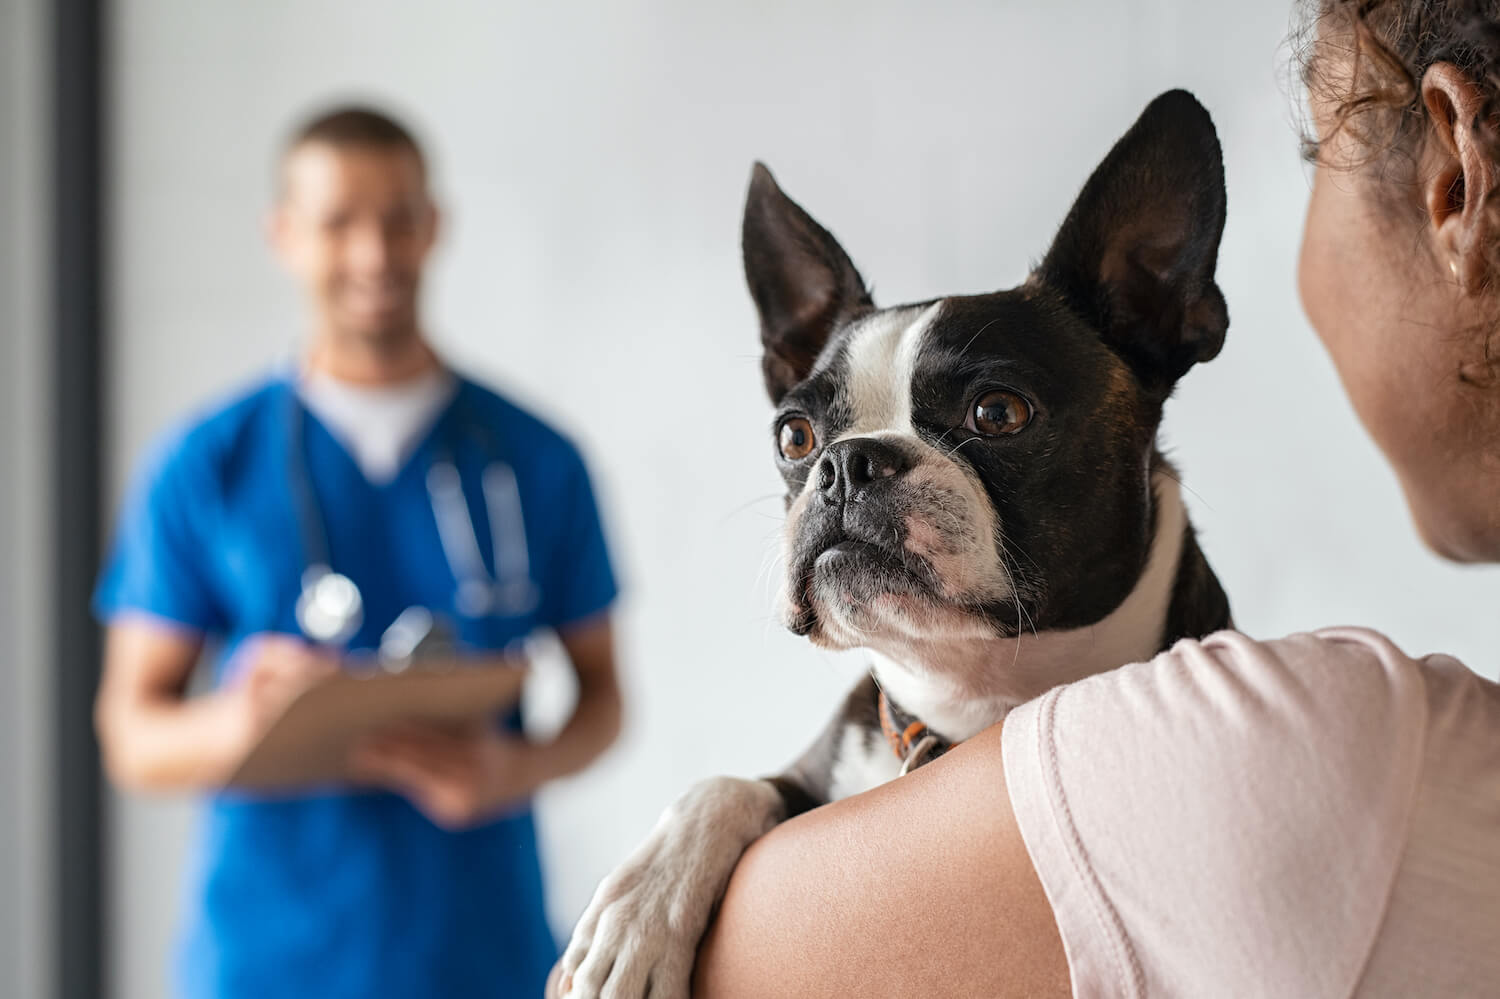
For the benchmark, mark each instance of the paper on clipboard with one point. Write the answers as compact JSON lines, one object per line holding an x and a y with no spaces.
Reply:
{"x":310,"y":743}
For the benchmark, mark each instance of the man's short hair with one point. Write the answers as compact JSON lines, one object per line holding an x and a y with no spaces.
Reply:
{"x":353,"y":127}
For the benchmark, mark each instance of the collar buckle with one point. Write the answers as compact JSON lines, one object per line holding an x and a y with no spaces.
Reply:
{"x":910,"y":739}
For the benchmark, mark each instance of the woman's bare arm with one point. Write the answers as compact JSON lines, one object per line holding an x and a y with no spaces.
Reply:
{"x":920,"y":887}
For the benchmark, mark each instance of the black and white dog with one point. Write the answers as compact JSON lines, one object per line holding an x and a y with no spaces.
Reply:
{"x":974,"y":494}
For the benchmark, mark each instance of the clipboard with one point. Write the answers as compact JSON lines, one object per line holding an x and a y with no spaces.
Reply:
{"x":309,"y":744}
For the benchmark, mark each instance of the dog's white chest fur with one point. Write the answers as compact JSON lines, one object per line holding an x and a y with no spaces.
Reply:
{"x":865,"y":760}
{"x":961,"y":688}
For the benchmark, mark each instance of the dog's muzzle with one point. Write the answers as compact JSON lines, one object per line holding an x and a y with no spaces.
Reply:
{"x":848,"y":542}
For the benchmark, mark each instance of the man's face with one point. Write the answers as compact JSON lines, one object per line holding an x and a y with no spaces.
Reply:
{"x":354,"y":225}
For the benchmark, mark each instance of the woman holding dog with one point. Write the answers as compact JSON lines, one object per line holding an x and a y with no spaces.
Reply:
{"x":1314,"y":816}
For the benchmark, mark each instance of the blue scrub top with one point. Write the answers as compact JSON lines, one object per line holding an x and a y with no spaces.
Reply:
{"x":351,"y":894}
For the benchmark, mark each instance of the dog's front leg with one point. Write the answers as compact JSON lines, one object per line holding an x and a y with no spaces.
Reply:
{"x":640,"y":933}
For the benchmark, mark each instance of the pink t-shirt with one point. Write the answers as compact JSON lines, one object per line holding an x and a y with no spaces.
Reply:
{"x":1313,"y":816}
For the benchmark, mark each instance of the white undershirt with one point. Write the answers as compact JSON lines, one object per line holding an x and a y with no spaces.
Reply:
{"x":380,"y":426}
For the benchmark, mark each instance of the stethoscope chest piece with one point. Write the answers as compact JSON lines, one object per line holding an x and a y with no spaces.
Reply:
{"x":329,"y":608}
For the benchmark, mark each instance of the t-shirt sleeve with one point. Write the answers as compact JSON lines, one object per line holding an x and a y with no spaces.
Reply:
{"x":580,"y":579}
{"x":1226,"y":819}
{"x":157,"y":562}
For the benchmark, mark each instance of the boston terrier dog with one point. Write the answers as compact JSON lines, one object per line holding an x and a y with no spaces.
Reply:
{"x":974,"y":495}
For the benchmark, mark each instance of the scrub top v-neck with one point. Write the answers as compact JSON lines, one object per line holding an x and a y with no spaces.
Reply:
{"x":337,"y":893}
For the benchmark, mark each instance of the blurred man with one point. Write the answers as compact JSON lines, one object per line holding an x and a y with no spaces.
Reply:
{"x":292,"y":525}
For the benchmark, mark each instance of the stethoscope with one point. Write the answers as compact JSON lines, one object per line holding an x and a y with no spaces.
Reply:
{"x":330,"y":608}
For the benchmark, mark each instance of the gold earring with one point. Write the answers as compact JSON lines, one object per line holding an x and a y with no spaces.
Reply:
{"x":1453,"y":266}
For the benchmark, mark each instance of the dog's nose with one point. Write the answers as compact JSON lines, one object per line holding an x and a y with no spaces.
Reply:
{"x":850,"y":467}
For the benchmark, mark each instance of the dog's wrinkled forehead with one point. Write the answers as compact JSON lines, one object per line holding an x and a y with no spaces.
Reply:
{"x":865,"y":378}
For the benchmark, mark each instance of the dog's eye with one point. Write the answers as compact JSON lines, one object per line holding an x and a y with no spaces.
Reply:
{"x":796,"y":439}
{"x":999,"y":414}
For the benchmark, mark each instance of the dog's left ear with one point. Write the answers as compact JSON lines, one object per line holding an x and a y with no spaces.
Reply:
{"x":1136,"y":254}
{"x":802,"y":281}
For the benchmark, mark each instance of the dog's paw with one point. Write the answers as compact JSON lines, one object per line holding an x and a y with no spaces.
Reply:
{"x":640,"y":933}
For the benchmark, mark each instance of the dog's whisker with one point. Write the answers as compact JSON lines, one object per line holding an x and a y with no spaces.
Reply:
{"x":977,"y":335}
{"x":745,"y":506}
{"x":1006,"y":545}
{"x":768,"y":559}
{"x":954,"y":449}
{"x":1169,"y":472}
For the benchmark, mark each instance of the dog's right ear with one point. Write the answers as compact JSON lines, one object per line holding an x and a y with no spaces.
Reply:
{"x":802,"y":281}
{"x":1136,"y":255}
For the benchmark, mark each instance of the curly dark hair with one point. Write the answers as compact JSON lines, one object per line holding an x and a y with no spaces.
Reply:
{"x":1394,"y":43}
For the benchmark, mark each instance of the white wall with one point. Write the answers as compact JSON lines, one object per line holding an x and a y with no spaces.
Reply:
{"x":593,"y":160}
{"x":25,"y":581}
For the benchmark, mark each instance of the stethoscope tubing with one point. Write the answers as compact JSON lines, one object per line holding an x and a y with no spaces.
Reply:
{"x":508,"y":590}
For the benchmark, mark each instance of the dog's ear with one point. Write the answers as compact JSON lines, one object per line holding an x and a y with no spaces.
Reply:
{"x":1136,"y":254}
{"x":802,"y":281}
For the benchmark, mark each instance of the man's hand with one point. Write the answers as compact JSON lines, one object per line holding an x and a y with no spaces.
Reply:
{"x":268,"y":672}
{"x":460,"y":778}
{"x":157,"y":738}
{"x":456,"y":777}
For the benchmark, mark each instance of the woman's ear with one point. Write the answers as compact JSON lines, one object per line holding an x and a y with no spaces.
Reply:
{"x":1454,"y":193}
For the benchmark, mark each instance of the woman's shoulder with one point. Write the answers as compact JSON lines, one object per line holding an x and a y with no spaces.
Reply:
{"x":1344,"y":707}
{"x":1237,"y":804}
{"x":1343,"y":684}
{"x":1339,"y":716}
{"x":1365,"y":651}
